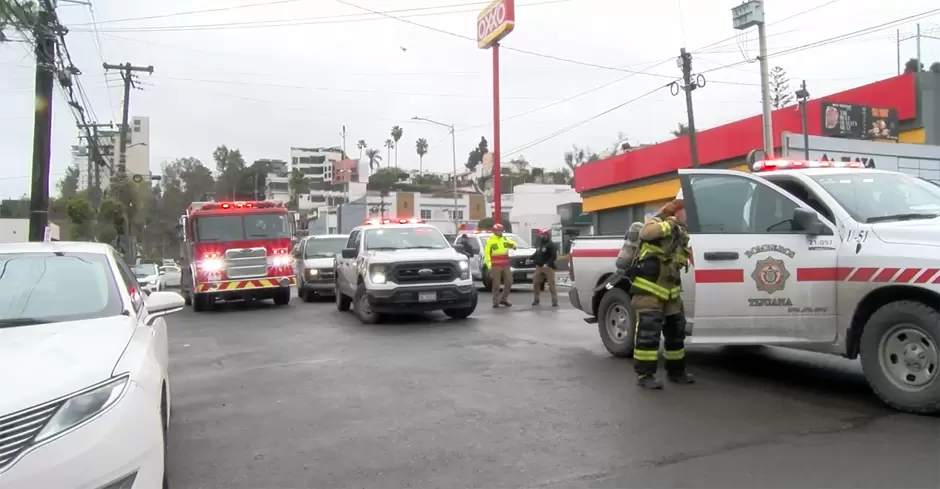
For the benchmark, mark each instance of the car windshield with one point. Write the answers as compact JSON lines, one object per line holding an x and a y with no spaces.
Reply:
{"x":883,"y":197}
{"x":404,"y":238}
{"x":171,"y":269}
{"x":520,"y":243}
{"x":40,"y":288}
{"x":324,"y":247}
{"x":144,"y":270}
{"x":241,"y":227}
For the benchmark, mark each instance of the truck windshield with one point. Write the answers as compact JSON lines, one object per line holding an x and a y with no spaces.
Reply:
{"x":81,"y":283}
{"x":324,"y":247}
{"x":241,"y":227}
{"x":404,"y":238}
{"x":883,"y":197}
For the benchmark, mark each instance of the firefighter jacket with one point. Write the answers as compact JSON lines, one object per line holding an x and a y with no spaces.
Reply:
{"x":546,"y":253}
{"x":662,"y":255}
{"x":496,"y":251}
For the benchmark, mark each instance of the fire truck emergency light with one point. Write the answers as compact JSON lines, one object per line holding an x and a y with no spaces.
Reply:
{"x":266,"y":204}
{"x":211,"y":262}
{"x":376,"y":222}
{"x":771,"y":165}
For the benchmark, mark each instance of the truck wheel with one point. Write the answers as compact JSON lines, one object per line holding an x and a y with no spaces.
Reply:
{"x":202,"y":302}
{"x":187,"y":297}
{"x":282,"y":297}
{"x":342,"y":301}
{"x":616,"y":323}
{"x":363,"y":308}
{"x":463,"y":312}
{"x":900,"y":350}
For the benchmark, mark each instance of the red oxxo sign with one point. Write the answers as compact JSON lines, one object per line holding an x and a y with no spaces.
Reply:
{"x":495,"y":22}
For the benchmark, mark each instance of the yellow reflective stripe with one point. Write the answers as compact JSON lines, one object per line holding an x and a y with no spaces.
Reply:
{"x":665,"y":228}
{"x":675,"y":355}
{"x":652,"y":287}
{"x":646,"y":355}
{"x":649,"y":249}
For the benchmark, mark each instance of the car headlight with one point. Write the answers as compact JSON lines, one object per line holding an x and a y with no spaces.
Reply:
{"x":377,"y":274}
{"x":211,"y":265}
{"x":83,"y":407}
{"x":154,"y":280}
{"x":282,"y":260}
{"x":313,"y":272}
{"x":464,"y":267}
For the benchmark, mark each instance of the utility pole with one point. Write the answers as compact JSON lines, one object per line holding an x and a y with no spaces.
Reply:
{"x":917,"y":36}
{"x":689,"y":83}
{"x":95,"y":160}
{"x":343,"y":134}
{"x":745,"y":16}
{"x":803,"y":96}
{"x":44,"y":51}
{"x":127,"y":70}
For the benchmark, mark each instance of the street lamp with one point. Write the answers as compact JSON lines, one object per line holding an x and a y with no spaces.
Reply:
{"x":453,"y":140}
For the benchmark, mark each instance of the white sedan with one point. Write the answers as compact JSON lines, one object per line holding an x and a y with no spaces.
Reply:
{"x":85,"y":396}
{"x":170,"y":276}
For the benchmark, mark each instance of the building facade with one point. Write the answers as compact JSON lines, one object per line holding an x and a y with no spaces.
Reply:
{"x":625,"y":188}
{"x":315,"y":163}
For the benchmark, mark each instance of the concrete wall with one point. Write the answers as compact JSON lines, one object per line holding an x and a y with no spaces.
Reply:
{"x":928,"y":110}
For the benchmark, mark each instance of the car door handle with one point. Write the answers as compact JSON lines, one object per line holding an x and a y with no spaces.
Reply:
{"x":721,"y":255}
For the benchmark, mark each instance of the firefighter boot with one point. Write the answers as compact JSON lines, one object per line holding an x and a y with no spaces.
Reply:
{"x":681,"y":377}
{"x":649,"y":382}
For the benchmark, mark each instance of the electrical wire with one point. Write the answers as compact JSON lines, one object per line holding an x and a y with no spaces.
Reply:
{"x":192,"y":12}
{"x":99,"y":49}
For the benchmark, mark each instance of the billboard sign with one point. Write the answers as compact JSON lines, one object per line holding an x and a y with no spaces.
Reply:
{"x":495,"y":22}
{"x":858,"y":121}
{"x":919,"y":160}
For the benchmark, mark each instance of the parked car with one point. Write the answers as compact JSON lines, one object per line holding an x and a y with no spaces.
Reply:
{"x":148,"y":277}
{"x":89,"y":404}
{"x":171,"y":276}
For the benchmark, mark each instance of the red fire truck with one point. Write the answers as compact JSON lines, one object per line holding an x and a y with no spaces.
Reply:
{"x":236,"y":250}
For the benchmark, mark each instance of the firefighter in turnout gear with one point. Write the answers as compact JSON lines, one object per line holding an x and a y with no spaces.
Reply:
{"x":662,"y":253}
{"x":496,"y":260}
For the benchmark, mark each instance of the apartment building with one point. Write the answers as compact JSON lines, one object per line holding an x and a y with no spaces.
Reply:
{"x":315,"y":163}
{"x":109,"y":143}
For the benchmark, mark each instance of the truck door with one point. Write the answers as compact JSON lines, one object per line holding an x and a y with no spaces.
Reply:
{"x":346,"y":272}
{"x":756,"y":269}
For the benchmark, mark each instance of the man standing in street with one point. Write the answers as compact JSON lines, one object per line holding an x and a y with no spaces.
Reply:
{"x":662,"y":254}
{"x":496,"y":260}
{"x":544,"y":258}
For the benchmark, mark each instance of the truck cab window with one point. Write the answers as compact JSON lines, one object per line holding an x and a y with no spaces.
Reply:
{"x":806,"y":196}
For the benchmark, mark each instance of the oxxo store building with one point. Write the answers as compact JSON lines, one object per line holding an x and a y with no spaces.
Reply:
{"x":620,"y":190}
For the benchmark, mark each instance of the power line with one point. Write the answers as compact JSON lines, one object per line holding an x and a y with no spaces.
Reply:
{"x":191,"y":12}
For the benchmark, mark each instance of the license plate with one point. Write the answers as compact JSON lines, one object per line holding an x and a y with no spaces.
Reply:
{"x":427,"y":296}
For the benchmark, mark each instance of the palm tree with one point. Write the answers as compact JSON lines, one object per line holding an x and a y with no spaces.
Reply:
{"x":362,"y":146}
{"x":396,"y":135}
{"x":421,"y":146}
{"x":375,"y":160}
{"x":389,"y":144}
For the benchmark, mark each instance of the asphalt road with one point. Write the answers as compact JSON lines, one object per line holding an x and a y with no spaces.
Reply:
{"x":306,"y":397}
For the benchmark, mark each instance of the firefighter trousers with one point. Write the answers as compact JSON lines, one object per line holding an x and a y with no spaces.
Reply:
{"x":502,"y":283}
{"x":654,"y":318}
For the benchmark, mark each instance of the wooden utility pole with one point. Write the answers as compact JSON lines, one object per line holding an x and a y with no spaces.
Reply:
{"x":120,"y":176}
{"x":95,"y":160}
{"x":44,"y":51}
{"x":689,"y":83}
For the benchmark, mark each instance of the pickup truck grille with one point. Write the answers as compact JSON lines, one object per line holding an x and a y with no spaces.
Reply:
{"x":18,"y":430}
{"x":417,"y":273}
{"x":246,"y":263}
{"x":323,"y":275}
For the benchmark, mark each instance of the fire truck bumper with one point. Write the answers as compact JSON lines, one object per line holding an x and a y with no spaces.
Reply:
{"x":240,"y":289}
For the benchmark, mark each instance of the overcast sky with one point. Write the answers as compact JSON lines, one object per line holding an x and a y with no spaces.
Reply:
{"x":263,"y":76}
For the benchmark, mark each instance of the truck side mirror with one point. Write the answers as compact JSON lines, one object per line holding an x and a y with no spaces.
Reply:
{"x":349,"y":253}
{"x":808,"y":221}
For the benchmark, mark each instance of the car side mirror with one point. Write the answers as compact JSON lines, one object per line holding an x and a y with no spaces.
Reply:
{"x":162,"y":272}
{"x":808,"y":221}
{"x":349,"y":253}
{"x":160,"y":304}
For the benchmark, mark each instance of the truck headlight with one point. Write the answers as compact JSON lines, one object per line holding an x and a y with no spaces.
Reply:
{"x":83,"y":407}
{"x":312,"y":272}
{"x":282,"y":260}
{"x":211,"y":265}
{"x":464,"y":267}
{"x":377,"y":274}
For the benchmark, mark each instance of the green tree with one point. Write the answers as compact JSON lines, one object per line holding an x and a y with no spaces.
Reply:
{"x":913,"y":65}
{"x":389,"y":145}
{"x":384,"y":180}
{"x":362,"y":147}
{"x":375,"y":160}
{"x":485,"y":223}
{"x":780,"y":94}
{"x":68,"y":185}
{"x":231,"y":181}
{"x":111,"y":221}
{"x":476,"y":155}
{"x":935,"y":67}
{"x":421,"y":147}
{"x":681,"y":130}
{"x":427,"y":179}
{"x":396,"y":133}
{"x":81,"y":218}
{"x":299,"y":185}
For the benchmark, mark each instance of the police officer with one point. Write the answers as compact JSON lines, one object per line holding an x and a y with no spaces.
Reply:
{"x":544,"y":259}
{"x":496,"y":259}
{"x":662,"y":254}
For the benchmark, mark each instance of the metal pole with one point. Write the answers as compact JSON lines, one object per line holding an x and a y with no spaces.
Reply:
{"x":765,"y":89}
{"x":497,"y":176}
{"x":453,"y":145}
{"x":899,"y":50}
{"x":918,"y":47}
{"x":44,"y":51}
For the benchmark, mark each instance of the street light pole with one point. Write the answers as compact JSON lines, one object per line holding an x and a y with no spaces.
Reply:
{"x":453,"y":139}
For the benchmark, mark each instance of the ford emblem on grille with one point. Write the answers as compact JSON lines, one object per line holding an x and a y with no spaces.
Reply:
{"x":425,"y":271}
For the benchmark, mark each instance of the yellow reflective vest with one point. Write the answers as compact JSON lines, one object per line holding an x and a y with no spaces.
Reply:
{"x":496,"y":251}
{"x":670,"y":250}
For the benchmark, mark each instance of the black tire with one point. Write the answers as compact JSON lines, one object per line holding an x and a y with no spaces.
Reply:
{"x":304,"y":294}
{"x":363,"y":308}
{"x":187,"y":298}
{"x":463,"y":312}
{"x":342,"y":301}
{"x":201,"y":302}
{"x":282,"y":297}
{"x":614,"y":303}
{"x":916,"y":327}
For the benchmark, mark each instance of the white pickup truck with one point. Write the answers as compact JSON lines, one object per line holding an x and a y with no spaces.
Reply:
{"x":819,"y":256}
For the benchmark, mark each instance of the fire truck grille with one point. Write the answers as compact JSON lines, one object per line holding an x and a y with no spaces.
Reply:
{"x":18,"y":430}
{"x":416,"y":273}
{"x":246,"y":263}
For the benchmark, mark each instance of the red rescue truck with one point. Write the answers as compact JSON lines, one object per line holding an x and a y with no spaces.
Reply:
{"x":236,"y":250}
